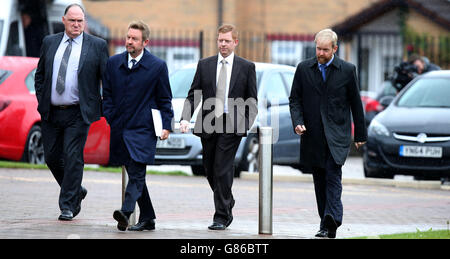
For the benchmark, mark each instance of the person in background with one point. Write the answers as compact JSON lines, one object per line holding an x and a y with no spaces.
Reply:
{"x":422,"y":64}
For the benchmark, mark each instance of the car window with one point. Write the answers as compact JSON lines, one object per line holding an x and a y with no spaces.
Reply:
{"x":387,"y":89}
{"x":1,"y":30}
{"x":180,"y":82}
{"x":29,"y":81}
{"x":274,"y":88}
{"x":288,"y":78}
{"x":427,"y":92}
{"x":4,"y":74}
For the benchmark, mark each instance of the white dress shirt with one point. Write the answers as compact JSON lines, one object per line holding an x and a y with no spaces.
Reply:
{"x":138,"y":58}
{"x":70,"y":94}
{"x":229,"y":65}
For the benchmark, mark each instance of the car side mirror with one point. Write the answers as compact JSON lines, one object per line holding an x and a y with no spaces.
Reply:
{"x":385,"y":101}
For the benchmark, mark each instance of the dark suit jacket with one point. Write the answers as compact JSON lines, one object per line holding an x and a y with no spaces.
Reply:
{"x":324,"y":109}
{"x":94,"y":55}
{"x":242,"y":89}
{"x":128,"y":97}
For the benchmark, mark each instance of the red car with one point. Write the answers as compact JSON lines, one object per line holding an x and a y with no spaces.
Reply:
{"x":20,"y":131}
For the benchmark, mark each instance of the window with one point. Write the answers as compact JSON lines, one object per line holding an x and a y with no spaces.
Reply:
{"x":274,"y":89}
{"x":1,"y":30}
{"x":288,"y":78}
{"x":29,"y":81}
{"x":427,"y":92}
{"x":4,"y":74}
{"x":13,"y":48}
{"x":180,"y":82}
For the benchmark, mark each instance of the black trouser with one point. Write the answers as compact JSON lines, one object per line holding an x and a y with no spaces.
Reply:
{"x":64,"y":136}
{"x":328,"y":189}
{"x":219,"y":151}
{"x":137,"y":191}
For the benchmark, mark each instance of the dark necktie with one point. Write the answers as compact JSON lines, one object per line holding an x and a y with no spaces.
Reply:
{"x":323,"y":69}
{"x":61,"y":81}
{"x":220,"y":91}
{"x":134,"y":63}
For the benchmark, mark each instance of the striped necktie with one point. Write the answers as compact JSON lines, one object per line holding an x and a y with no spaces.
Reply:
{"x":61,"y":81}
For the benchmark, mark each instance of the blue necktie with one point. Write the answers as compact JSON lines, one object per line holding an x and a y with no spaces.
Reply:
{"x":323,"y":68}
{"x":134,"y":63}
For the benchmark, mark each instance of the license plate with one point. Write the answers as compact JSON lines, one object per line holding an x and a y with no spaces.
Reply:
{"x":421,"y":151}
{"x":173,"y":143}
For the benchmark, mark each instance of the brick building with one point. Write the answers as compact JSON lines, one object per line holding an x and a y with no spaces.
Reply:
{"x":278,"y":31}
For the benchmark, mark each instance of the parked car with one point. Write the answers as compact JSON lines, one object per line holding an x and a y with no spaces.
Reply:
{"x":412,"y":136}
{"x":376,"y":104}
{"x":274,"y":83}
{"x":20,"y":130}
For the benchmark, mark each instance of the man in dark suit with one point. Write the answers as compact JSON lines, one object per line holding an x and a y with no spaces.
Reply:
{"x":324,"y":91}
{"x":227,"y":83}
{"x":67,"y":86}
{"x":135,"y":82}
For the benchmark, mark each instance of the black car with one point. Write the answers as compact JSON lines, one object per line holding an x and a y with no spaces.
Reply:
{"x":412,"y":135}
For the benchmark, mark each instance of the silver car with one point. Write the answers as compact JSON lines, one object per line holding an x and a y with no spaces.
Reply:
{"x":274,"y":83}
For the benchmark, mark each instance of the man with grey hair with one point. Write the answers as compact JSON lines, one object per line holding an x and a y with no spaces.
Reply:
{"x":67,"y":86}
{"x":323,"y":97}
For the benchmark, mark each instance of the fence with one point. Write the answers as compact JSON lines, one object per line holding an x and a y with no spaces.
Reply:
{"x":375,"y":54}
{"x":180,"y":47}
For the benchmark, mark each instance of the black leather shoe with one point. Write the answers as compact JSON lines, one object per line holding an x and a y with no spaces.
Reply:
{"x":322,"y":233}
{"x":122,"y":220}
{"x":145,"y":225}
{"x":66,"y":215}
{"x":83,"y":194}
{"x":331,"y":226}
{"x":217,"y":226}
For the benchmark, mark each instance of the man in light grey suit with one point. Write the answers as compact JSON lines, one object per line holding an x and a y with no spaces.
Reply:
{"x":67,"y":85}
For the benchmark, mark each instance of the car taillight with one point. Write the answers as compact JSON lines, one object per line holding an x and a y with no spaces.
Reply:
{"x":374,"y":106}
{"x":4,"y":104}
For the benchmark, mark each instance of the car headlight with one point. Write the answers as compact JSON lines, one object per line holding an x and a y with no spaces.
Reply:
{"x":377,"y":129}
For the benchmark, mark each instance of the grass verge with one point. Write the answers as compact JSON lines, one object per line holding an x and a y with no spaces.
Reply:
{"x":21,"y":165}
{"x":428,"y":234}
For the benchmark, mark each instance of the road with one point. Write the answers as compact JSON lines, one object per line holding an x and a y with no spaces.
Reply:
{"x":184,"y":208}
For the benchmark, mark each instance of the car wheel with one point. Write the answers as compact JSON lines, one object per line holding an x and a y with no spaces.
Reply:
{"x":34,"y":148}
{"x":198,"y":170}
{"x":249,"y":160}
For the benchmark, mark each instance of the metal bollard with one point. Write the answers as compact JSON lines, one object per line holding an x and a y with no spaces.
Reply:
{"x":132,"y":220}
{"x":265,"y":166}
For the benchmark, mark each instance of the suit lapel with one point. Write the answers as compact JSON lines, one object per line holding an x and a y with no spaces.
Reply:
{"x":234,"y":73}
{"x":212,"y":67}
{"x":53,"y":48}
{"x":84,"y":51}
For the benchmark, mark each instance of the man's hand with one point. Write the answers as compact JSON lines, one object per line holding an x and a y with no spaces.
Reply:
{"x":184,"y":126}
{"x":164,"y":134}
{"x":300,"y":129}
{"x":359,"y":144}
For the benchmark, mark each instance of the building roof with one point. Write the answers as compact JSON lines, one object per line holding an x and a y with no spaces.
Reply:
{"x":436,"y":10}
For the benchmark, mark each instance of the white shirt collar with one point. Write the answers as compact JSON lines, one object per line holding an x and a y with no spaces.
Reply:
{"x":138,"y":58}
{"x":229,"y":59}
{"x":78,"y":40}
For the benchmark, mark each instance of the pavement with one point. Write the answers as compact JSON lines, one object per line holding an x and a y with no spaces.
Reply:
{"x":184,"y":207}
